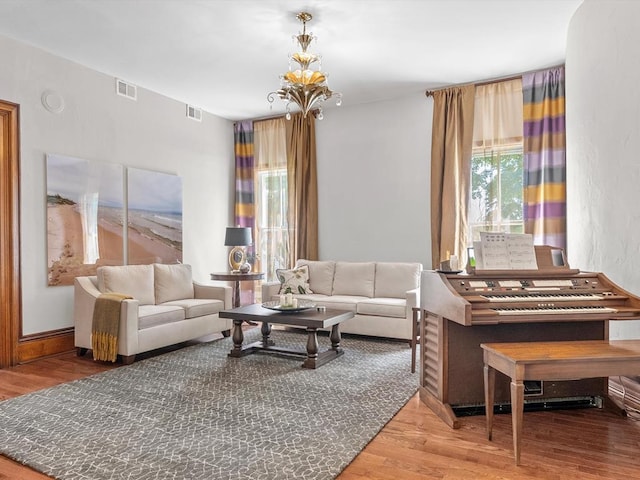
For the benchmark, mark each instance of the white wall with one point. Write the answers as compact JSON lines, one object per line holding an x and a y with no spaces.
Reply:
{"x":603,"y":144}
{"x":373,"y":181}
{"x":96,"y":124}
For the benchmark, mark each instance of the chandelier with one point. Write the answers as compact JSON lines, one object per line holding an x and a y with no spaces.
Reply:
{"x":303,"y":86}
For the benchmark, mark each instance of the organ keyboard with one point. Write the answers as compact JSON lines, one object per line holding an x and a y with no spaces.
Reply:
{"x":462,"y":311}
{"x":541,"y":297}
{"x":553,"y":310}
{"x":494,"y":298}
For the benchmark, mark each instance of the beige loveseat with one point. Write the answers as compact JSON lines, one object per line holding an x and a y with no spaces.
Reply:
{"x":381,"y":294}
{"x":168,"y":307}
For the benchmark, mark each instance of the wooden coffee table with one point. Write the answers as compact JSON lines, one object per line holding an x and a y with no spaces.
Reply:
{"x":311,"y":319}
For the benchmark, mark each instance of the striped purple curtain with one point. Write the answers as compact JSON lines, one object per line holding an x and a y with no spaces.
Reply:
{"x":243,"y":141}
{"x":244,"y":205}
{"x":545,"y":157}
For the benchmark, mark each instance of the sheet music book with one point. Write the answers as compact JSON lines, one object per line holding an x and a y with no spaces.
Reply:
{"x":505,"y":251}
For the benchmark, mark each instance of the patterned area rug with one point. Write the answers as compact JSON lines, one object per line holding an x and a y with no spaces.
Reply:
{"x":197,"y":414}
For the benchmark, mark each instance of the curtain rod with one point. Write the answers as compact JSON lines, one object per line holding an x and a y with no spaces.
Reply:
{"x":260,"y":119}
{"x":314,"y":112}
{"x":429,"y":93}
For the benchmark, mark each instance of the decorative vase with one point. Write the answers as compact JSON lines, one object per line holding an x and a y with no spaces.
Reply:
{"x":245,"y":267}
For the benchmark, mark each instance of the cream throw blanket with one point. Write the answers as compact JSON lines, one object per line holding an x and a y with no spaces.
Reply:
{"x":106,"y":325}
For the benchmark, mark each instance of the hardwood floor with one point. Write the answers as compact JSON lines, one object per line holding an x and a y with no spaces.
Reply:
{"x":571,"y":444}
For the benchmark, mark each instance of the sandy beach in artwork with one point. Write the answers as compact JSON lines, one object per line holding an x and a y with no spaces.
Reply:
{"x":65,"y":243}
{"x":154,"y":237}
{"x":147,"y":242}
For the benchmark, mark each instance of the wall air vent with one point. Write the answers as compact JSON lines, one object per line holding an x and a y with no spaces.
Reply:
{"x":194,"y":113}
{"x":126,"y":89}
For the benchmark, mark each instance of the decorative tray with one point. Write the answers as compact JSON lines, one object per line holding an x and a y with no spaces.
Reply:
{"x":302,"y":305}
{"x":449,"y":271}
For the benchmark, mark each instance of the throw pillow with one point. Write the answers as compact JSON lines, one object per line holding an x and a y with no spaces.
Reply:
{"x":297,"y":279}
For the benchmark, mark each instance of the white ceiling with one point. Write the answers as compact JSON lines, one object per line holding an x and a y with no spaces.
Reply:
{"x":225,"y":56}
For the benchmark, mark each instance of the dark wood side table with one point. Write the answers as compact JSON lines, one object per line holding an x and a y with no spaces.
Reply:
{"x":237,"y":278}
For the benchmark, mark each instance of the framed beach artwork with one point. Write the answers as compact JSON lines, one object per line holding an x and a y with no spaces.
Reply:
{"x":154,"y":217}
{"x":85,"y":217}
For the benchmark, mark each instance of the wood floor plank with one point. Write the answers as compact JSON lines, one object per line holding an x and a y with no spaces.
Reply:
{"x":584,"y":444}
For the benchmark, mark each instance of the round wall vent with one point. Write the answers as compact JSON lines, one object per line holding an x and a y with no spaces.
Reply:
{"x":52,"y":101}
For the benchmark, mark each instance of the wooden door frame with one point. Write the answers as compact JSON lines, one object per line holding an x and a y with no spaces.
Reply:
{"x":10,"y":307}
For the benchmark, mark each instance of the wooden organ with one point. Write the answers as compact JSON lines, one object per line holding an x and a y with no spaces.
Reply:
{"x":459,"y":312}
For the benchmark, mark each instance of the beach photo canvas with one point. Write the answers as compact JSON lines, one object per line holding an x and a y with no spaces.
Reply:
{"x":85,"y":217}
{"x":154,"y":217}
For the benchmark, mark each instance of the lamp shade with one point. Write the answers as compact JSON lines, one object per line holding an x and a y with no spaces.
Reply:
{"x":238,"y":237}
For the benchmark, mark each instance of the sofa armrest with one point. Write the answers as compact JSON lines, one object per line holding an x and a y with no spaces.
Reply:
{"x":84,"y":299}
{"x":85,"y":294}
{"x":215,"y":292}
{"x":413,"y":300}
{"x":269,"y":289}
{"x":128,"y":334}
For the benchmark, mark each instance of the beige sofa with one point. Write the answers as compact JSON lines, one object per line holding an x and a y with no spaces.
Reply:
{"x":168,"y":307}
{"x":381,"y":294}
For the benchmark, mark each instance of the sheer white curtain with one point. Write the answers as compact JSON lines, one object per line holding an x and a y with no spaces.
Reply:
{"x":497,"y":116}
{"x":271,"y":196}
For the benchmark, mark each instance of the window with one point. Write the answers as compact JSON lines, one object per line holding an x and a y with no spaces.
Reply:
{"x":496,"y":203}
{"x":271,"y":197}
{"x":271,"y":220}
{"x":496,"y":196}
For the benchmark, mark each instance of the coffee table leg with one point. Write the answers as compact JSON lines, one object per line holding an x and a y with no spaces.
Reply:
{"x":312,"y":345}
{"x":266,"y":333}
{"x":316,"y":359}
{"x":238,"y":338}
{"x":335,"y":338}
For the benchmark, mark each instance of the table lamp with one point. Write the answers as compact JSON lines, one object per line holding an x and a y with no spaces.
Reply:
{"x":238,"y":238}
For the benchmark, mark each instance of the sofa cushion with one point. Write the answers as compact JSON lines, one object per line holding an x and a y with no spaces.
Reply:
{"x":320,"y":275}
{"x":339,"y":302}
{"x":383,"y":307}
{"x":154,"y":315}
{"x":354,"y":278}
{"x":395,"y":279}
{"x":197,"y":307}
{"x":297,"y":279}
{"x":134,"y":280}
{"x":172,"y":282}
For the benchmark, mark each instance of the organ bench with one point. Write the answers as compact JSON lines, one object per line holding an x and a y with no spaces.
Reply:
{"x":551,"y":361}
